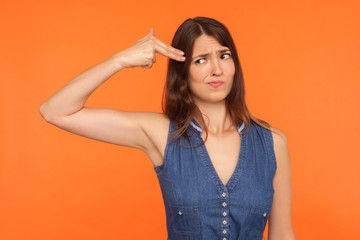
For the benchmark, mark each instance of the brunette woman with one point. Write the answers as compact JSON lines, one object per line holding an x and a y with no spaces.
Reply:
{"x":223,"y":173}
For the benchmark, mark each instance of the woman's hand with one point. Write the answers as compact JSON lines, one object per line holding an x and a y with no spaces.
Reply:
{"x":142,"y":53}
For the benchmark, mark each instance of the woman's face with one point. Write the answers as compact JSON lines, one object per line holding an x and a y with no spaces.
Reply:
{"x":211,"y":71}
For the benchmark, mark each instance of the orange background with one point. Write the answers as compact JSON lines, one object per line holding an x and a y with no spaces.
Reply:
{"x":301,"y":67}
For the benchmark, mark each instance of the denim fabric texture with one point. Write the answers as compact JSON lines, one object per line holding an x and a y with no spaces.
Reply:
{"x":199,"y":206}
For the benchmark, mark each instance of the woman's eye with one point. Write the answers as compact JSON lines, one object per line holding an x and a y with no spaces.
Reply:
{"x":226,"y":56}
{"x":201,"y":60}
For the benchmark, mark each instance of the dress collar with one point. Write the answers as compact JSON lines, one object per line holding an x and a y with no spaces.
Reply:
{"x":197,"y":126}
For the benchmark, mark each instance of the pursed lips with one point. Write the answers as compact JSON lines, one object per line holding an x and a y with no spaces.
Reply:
{"x":216,"y":83}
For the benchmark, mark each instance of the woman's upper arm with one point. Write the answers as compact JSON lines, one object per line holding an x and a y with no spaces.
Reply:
{"x":131,"y":129}
{"x":280,"y":218}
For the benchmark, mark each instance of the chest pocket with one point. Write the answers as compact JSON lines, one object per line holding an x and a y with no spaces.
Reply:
{"x":185,"y":219}
{"x":256,"y":222}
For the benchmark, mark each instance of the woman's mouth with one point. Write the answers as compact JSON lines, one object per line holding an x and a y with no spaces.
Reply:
{"x":216,"y":84}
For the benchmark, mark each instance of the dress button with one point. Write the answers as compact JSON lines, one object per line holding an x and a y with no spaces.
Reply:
{"x":224,"y":194}
{"x":224,"y":204}
{"x":224,"y":222}
{"x":264,"y":214}
{"x":224,"y":231}
{"x":180,"y":212}
{"x":224,"y":214}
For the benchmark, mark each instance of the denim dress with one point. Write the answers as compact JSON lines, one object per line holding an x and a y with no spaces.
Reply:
{"x":199,"y":206}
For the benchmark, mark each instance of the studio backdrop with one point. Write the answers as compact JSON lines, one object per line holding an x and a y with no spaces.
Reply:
{"x":300,"y":61}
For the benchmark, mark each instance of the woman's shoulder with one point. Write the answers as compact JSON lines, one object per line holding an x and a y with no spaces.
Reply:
{"x":153,"y":121}
{"x":281,"y":148}
{"x":279,"y":137}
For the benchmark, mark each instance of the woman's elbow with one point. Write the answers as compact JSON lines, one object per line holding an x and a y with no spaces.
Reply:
{"x":44,"y":112}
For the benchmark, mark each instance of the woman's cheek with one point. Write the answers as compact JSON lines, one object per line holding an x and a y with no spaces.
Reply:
{"x":198,"y":73}
{"x":202,"y":73}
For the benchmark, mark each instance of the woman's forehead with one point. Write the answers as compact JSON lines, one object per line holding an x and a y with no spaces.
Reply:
{"x":206,"y":43}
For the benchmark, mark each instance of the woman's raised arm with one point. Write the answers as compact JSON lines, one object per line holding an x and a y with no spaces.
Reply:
{"x":65,"y":109}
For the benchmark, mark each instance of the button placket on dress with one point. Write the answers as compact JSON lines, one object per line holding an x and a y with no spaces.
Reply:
{"x":223,"y":189}
{"x":224,"y":220}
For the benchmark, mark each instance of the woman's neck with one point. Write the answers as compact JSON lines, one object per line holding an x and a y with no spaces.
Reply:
{"x":216,"y":117}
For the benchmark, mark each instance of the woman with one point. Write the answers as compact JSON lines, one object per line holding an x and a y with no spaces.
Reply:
{"x":223,"y":173}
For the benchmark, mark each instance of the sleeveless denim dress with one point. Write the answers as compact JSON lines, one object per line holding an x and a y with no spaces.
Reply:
{"x":199,"y":206}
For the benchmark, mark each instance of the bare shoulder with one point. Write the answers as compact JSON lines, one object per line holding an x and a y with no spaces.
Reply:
{"x":281,"y":150}
{"x":153,"y":123}
{"x":280,"y":140}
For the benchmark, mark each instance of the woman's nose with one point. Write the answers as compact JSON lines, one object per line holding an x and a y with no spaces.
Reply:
{"x":216,"y":69}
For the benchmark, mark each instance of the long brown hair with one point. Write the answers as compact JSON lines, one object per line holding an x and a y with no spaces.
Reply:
{"x":179,"y":104}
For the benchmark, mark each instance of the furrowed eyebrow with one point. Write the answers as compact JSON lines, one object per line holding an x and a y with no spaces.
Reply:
{"x":223,"y":50}
{"x":207,"y":54}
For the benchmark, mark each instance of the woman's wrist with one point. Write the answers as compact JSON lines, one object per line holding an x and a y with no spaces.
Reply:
{"x":118,"y":61}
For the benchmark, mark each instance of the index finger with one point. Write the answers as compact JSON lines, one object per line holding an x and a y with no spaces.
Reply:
{"x":169,"y":51}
